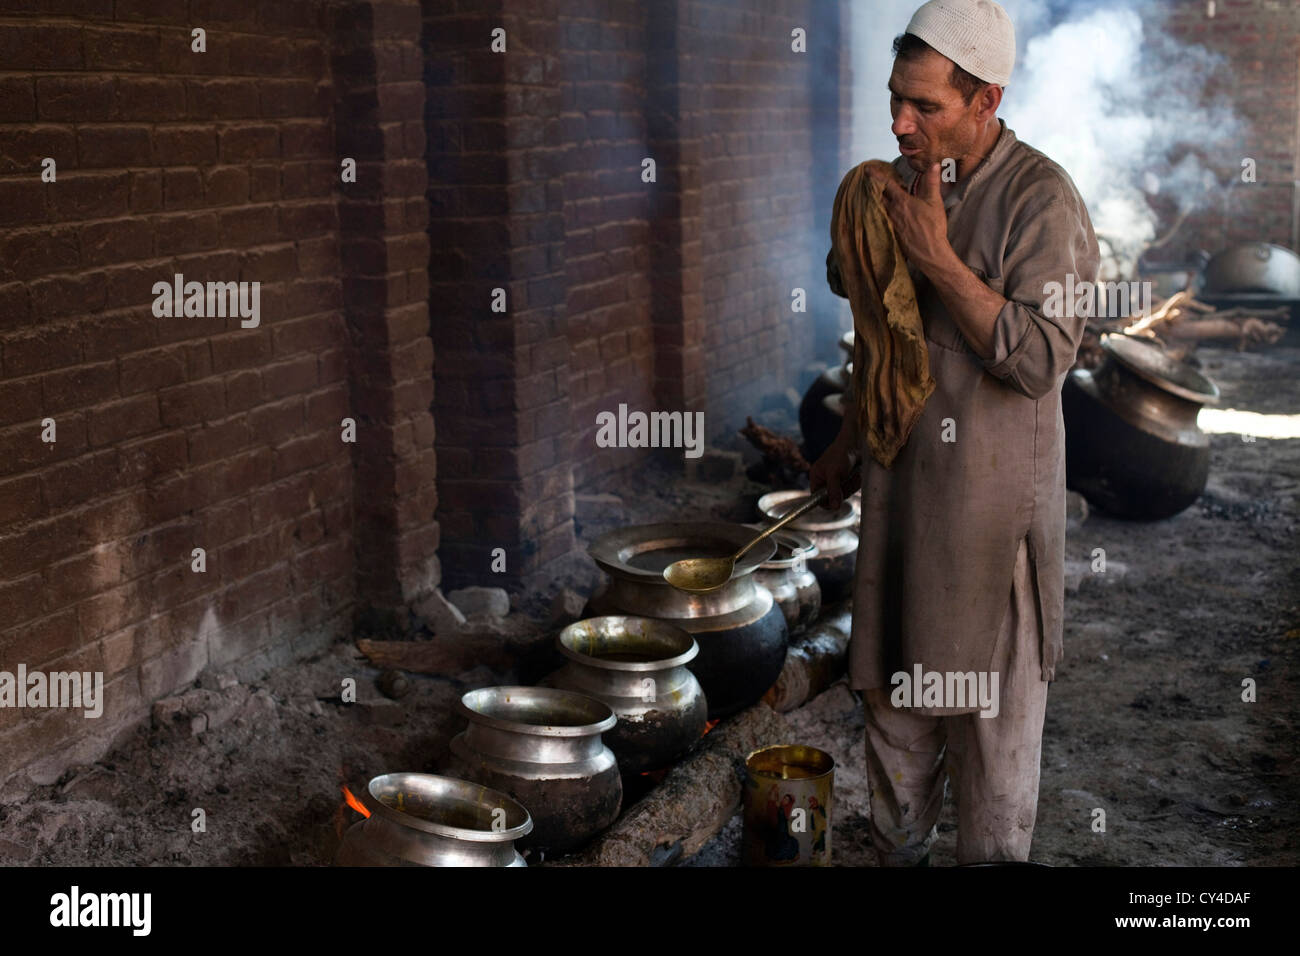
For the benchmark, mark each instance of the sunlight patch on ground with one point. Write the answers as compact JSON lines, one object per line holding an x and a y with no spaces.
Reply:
{"x":1229,"y":421}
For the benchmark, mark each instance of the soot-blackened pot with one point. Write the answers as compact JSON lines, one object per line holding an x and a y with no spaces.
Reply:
{"x":638,"y":666}
{"x":543,"y":747}
{"x":1132,"y":445}
{"x":741,"y":632}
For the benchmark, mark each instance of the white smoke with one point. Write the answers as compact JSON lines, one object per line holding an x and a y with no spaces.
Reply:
{"x":1099,"y":87}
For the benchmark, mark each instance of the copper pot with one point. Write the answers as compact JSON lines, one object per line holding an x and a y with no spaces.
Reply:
{"x":1133,"y":447}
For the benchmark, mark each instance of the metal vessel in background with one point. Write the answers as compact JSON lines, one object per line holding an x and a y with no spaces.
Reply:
{"x":835,"y":533}
{"x":787,"y":576}
{"x":418,"y":819}
{"x":638,"y":666}
{"x":543,"y":747}
{"x":740,"y":631}
{"x":1133,"y":447}
{"x":1253,"y":267}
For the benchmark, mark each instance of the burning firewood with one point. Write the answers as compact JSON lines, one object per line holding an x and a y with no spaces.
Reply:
{"x":1182,"y":318}
{"x":783,"y":460}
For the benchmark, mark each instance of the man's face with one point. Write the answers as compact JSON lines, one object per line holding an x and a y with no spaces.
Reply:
{"x":931,"y":120}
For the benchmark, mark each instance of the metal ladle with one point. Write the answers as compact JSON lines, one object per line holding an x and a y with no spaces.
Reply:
{"x":701,"y":575}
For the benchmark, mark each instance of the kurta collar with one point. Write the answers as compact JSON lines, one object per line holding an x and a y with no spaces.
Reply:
{"x":1006,"y":139}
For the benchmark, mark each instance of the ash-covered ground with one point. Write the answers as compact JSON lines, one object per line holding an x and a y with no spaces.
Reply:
{"x":1145,"y":722}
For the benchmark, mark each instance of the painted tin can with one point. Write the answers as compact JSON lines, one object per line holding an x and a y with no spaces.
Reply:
{"x":787,"y":807}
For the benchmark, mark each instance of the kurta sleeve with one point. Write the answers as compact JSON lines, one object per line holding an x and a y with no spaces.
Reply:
{"x":1032,"y":349}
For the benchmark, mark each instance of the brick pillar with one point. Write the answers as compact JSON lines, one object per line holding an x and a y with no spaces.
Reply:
{"x":496,"y":199}
{"x":385,"y":255}
{"x":677,"y":301}
{"x":832,"y":131}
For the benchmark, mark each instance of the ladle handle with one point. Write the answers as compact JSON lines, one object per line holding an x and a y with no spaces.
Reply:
{"x":803,"y":509}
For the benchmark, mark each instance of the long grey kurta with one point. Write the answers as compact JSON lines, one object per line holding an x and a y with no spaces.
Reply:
{"x":941,"y":528}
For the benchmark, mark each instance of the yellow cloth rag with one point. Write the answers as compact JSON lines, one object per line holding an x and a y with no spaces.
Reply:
{"x":891,"y":366}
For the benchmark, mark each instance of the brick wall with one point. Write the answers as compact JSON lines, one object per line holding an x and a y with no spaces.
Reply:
{"x":759,"y":148}
{"x":607,"y":220}
{"x":183,"y":433}
{"x":1261,"y":42}
{"x":474,"y":172}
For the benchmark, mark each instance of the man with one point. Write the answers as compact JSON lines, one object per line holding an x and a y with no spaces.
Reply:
{"x":960,"y":566}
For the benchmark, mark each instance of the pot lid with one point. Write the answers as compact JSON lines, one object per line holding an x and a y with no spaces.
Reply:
{"x":641,"y":552}
{"x":1149,"y":362}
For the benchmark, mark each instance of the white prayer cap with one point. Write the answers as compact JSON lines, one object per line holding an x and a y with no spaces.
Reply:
{"x":977,"y":35}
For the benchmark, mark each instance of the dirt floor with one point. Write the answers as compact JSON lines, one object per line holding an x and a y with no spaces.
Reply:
{"x":1146,"y":720}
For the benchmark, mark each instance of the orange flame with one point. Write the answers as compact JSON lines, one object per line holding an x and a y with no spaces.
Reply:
{"x":709,"y":725}
{"x":354,"y":803}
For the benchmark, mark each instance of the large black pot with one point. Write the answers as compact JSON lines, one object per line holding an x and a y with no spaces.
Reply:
{"x":1132,"y":445}
{"x":739,"y":628}
{"x":1254,"y":267}
{"x":821,"y":413}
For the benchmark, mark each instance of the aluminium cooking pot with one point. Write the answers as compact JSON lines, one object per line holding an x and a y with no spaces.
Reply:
{"x":638,"y":666}
{"x":419,"y":819}
{"x":740,"y":630}
{"x":1259,"y":267}
{"x":543,"y":747}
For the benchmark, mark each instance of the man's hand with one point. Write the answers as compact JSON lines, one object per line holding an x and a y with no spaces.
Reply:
{"x":920,"y":222}
{"x":830,"y":472}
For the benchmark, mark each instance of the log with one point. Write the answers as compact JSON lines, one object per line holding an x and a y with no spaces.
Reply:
{"x":813,"y":662}
{"x":430,"y":657}
{"x":777,"y":449}
{"x":692,"y":803}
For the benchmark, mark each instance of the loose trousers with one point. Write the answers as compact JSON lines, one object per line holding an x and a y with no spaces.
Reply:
{"x":992,"y":762}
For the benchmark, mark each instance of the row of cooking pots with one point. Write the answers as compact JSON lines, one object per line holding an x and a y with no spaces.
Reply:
{"x":542,"y":765}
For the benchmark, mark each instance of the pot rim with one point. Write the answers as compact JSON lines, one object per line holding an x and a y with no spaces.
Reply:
{"x":802,"y":547}
{"x":607,"y":548}
{"x":471,"y":792}
{"x":778,"y":749}
{"x":607,"y":622}
{"x":599,"y":726}
{"x":840,"y":520}
{"x":1116,"y":346}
